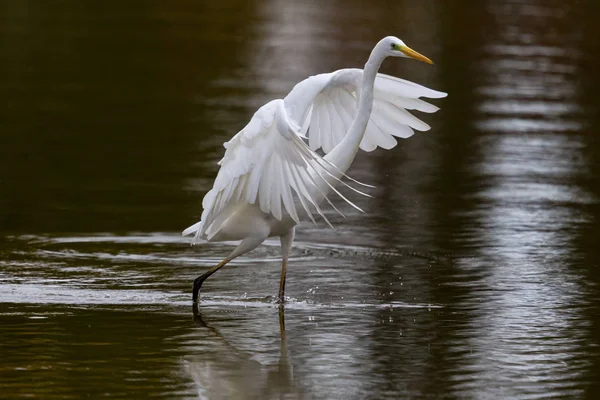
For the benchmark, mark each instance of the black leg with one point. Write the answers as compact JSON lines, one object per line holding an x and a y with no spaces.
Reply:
{"x":197,"y":285}
{"x":200,"y":280}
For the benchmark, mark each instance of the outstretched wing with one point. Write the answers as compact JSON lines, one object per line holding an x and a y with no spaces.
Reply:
{"x":266,"y":163}
{"x":325,"y":105}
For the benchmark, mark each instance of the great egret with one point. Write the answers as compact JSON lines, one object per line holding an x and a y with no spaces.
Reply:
{"x":270,"y":178}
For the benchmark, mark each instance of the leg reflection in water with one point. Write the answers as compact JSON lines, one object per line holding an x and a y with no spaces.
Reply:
{"x":225,"y":372}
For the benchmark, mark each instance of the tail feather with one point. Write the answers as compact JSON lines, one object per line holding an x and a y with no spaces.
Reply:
{"x":191,"y":229}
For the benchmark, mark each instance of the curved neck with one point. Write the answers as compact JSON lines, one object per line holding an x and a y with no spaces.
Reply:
{"x":343,"y":154}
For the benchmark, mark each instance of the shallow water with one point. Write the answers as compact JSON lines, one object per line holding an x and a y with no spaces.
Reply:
{"x":473,"y":273}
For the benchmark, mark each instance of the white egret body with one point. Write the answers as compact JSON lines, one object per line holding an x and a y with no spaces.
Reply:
{"x":270,"y":178}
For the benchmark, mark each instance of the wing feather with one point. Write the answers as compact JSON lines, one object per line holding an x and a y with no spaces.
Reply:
{"x":337,"y":123}
{"x":267,"y":164}
{"x":333,"y":106}
{"x":377,"y":127}
{"x":346,"y":116}
{"x":286,"y":193}
{"x":314,"y":139}
{"x":325,"y":127}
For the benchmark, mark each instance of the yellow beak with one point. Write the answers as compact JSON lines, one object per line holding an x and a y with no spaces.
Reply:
{"x":413,"y":54}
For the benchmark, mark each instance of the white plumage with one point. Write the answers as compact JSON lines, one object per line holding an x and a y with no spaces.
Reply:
{"x":269,"y":178}
{"x":327,"y":103}
{"x":267,"y":164}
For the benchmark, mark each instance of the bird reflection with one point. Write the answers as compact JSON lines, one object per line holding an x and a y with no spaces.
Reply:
{"x":234,"y":374}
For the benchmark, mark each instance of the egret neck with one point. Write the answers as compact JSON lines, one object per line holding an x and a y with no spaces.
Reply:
{"x":343,"y":154}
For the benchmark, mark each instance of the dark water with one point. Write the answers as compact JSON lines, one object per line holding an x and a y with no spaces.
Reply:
{"x":474,"y":273}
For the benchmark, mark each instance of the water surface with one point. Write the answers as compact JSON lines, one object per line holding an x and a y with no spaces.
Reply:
{"x":473,"y":273}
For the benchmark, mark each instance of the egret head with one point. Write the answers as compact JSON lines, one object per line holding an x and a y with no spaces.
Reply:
{"x":396,"y":48}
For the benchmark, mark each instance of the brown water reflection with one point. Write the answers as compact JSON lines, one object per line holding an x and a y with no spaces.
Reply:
{"x":112,"y":121}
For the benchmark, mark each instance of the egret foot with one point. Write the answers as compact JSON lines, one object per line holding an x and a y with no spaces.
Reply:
{"x":197,"y":316}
